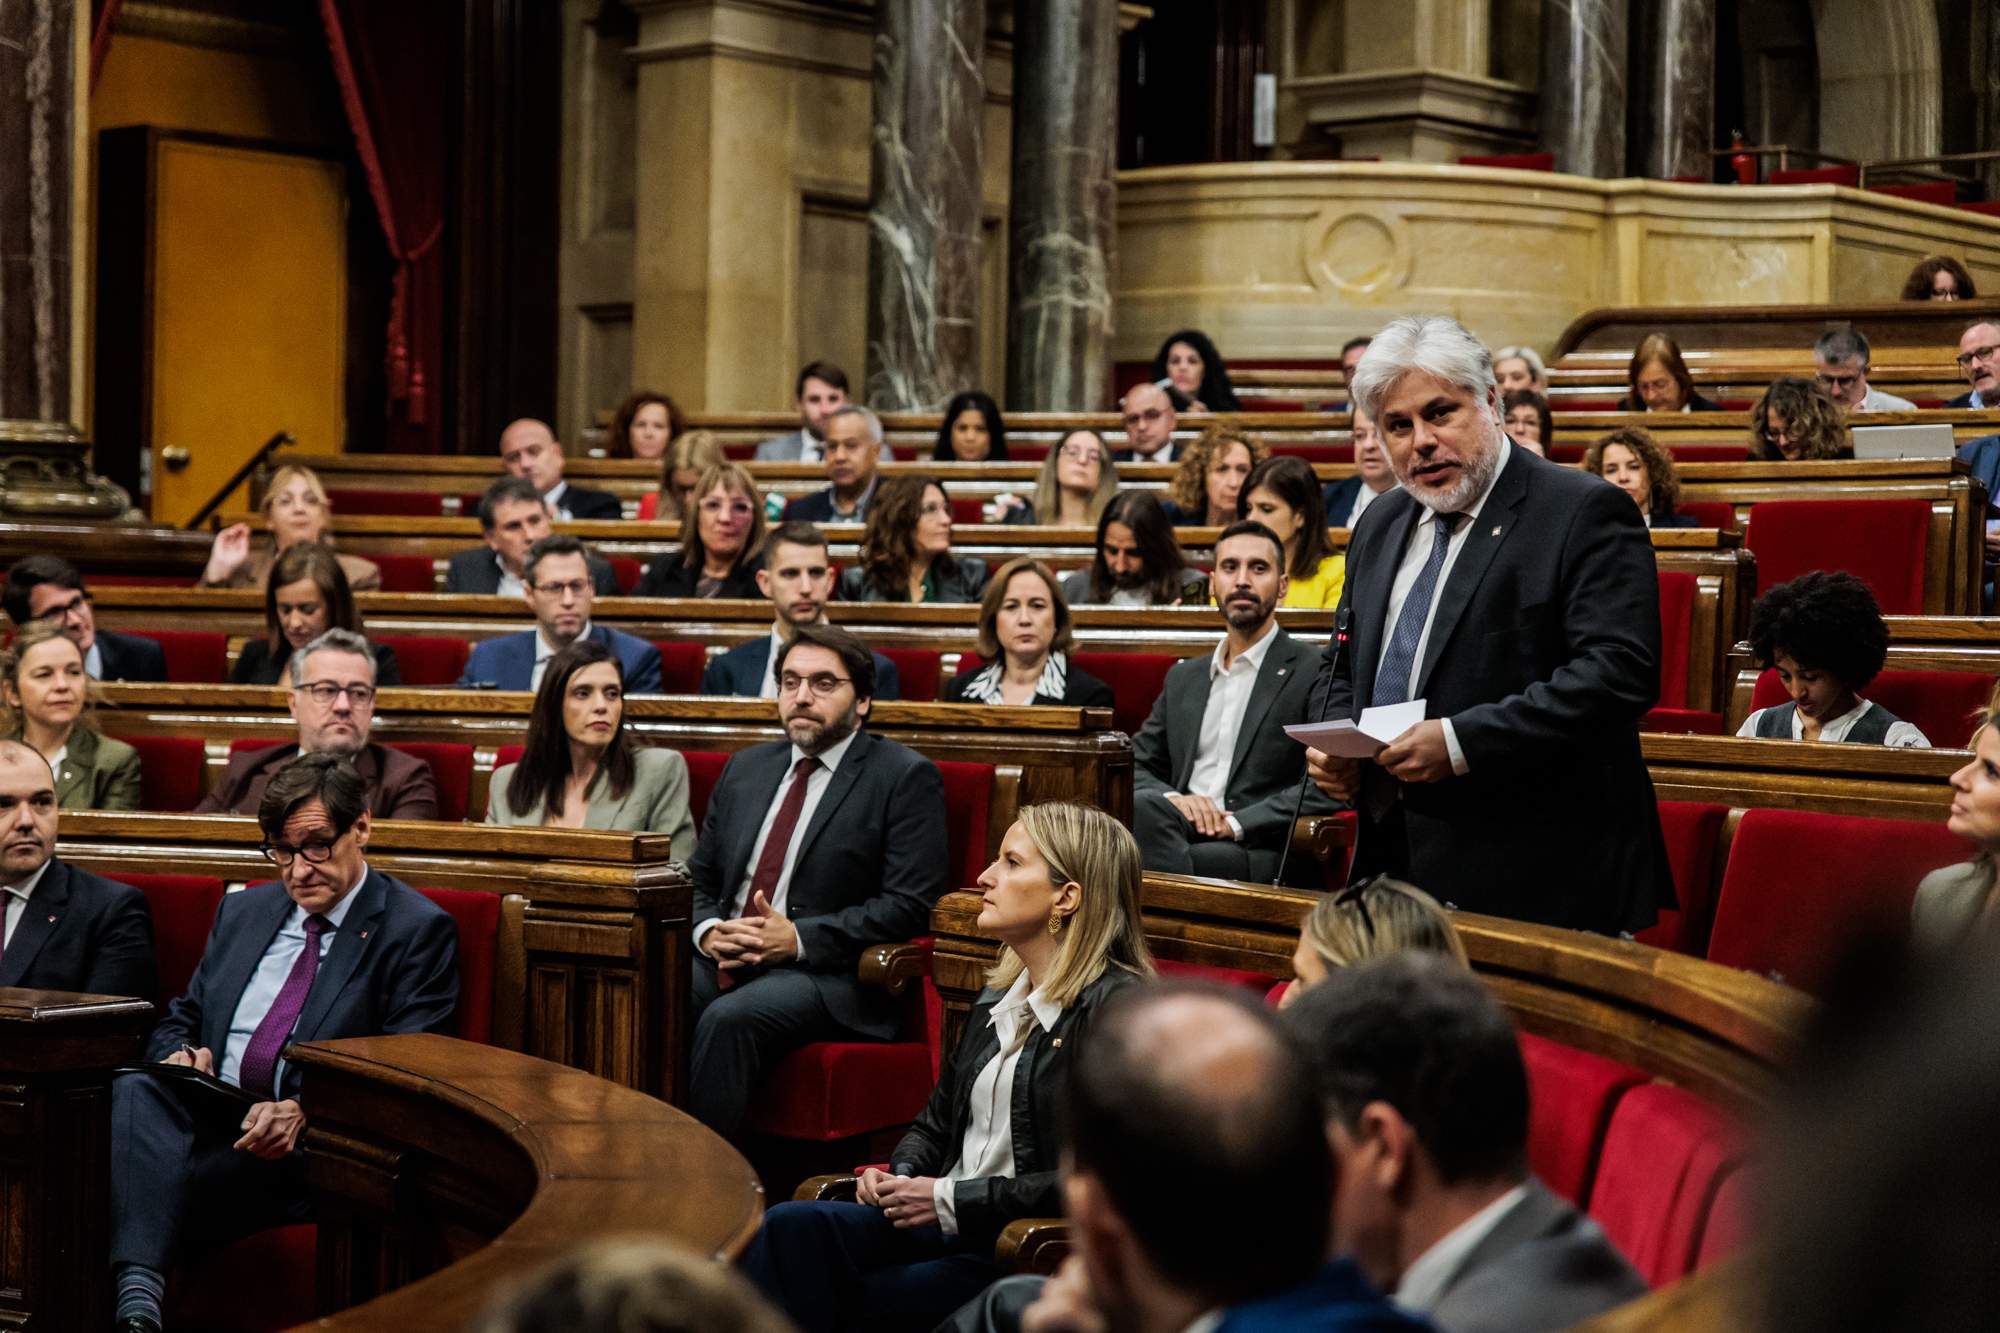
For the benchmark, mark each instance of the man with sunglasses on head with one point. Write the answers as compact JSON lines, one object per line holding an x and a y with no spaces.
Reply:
{"x":331,"y":949}
{"x":49,"y":588}
{"x":333,"y":700}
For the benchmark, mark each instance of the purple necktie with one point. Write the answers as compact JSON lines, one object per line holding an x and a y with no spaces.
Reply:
{"x":260,"y":1057}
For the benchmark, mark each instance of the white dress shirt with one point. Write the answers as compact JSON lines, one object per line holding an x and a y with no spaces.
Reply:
{"x":816,"y":785}
{"x":544,"y":650}
{"x":811,"y":448}
{"x":1424,"y":1282}
{"x":1229,"y":690}
{"x":553,"y":498}
{"x":17,"y":901}
{"x":1363,"y":497}
{"x":511,"y":584}
{"x":1902,"y":735}
{"x":1877,"y":401}
{"x":93,"y":662}
{"x":769,"y":689}
{"x":988,"y":1146}
{"x":269,"y":979}
{"x":1415,"y":556}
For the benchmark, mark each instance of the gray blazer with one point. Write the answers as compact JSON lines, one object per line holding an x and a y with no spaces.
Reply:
{"x":1947,"y":905}
{"x":782,"y":448}
{"x":1545,"y":1266}
{"x":657,"y":803}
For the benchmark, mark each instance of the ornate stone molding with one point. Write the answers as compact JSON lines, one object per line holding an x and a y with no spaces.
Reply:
{"x":1411,"y":103}
{"x":45,"y":473}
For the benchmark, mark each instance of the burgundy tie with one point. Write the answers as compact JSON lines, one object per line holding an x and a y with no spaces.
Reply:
{"x":260,"y":1057}
{"x":771,"y":863}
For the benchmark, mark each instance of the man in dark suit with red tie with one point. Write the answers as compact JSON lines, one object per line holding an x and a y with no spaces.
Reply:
{"x":1520,"y":601}
{"x":332,"y":949}
{"x":815,"y":847}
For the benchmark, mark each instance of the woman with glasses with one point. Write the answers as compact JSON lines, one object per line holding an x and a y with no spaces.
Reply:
{"x":45,"y":704}
{"x":1525,"y":416}
{"x":1024,"y":639}
{"x":1077,"y":480}
{"x":1939,"y":278}
{"x":917,"y":1241}
{"x":581,"y":768}
{"x":1368,"y":919}
{"x":686,"y":461}
{"x":718,"y":555}
{"x":305,"y":596}
{"x":296,"y":511}
{"x":1796,"y":420}
{"x":906,"y":549}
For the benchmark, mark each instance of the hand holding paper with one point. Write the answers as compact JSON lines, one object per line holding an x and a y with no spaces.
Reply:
{"x":1363,"y":739}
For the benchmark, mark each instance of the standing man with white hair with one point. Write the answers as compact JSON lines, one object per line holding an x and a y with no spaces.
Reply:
{"x":1520,"y":601}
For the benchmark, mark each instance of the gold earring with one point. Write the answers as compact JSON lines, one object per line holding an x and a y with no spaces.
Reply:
{"x":1055,"y":923}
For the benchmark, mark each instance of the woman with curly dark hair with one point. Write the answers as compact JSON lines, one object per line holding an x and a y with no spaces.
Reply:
{"x":643,"y":426}
{"x":1633,"y":461}
{"x":1825,"y":637}
{"x":906,"y":549}
{"x":1796,"y":420}
{"x":971,"y":432}
{"x":1939,"y":278}
{"x":1189,"y":364}
{"x":1212,"y":472}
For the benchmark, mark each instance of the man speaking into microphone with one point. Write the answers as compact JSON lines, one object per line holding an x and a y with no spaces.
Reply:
{"x":1519,"y":600}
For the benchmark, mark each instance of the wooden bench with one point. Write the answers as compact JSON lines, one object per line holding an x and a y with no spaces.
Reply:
{"x":1795,"y":775}
{"x":1967,"y":645}
{"x":1892,"y":326}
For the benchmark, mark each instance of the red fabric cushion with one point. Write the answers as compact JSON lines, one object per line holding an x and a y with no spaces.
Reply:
{"x":248,"y":743}
{"x":509,"y":754}
{"x":968,"y":799}
{"x":1571,"y":1097}
{"x":1517,"y":161}
{"x":1798,"y":885}
{"x":1677,"y":591}
{"x":1136,"y":680}
{"x":1729,"y":1219}
{"x":417,"y":504}
{"x":968,"y":511}
{"x":1880,"y":542}
{"x":1944,"y":705}
{"x":627,"y":571}
{"x":1707,"y":453}
{"x":917,"y":671}
{"x":681,"y":665}
{"x":1849,"y":176}
{"x":143,"y":581}
{"x":1261,"y":982}
{"x":1664,"y":1158}
{"x":1313,"y":453}
{"x":1990,"y":207}
{"x":478,"y":918}
{"x":194,"y":657}
{"x":704,"y":771}
{"x":428,"y":659}
{"x":451,"y":765}
{"x":183,"y":909}
{"x":1712,"y":513}
{"x":649,"y":506}
{"x":1027,"y":451}
{"x":1682,"y":722}
{"x":217,"y":1293}
{"x":1692,"y":831}
{"x":838,"y":1089}
{"x":407,"y":573}
{"x":1563,"y":404}
{"x":1942,"y":193}
{"x":172,"y":774}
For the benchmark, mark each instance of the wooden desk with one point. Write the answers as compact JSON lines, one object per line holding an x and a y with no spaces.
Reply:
{"x":1916,"y":643}
{"x":444,"y":1171}
{"x":592,"y":963}
{"x":1799,"y":775}
{"x":56,"y":1054}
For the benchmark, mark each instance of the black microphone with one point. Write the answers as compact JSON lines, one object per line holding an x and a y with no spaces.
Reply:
{"x":1343,"y":624}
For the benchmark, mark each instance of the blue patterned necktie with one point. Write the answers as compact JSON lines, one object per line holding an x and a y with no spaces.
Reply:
{"x":1392,"y":679}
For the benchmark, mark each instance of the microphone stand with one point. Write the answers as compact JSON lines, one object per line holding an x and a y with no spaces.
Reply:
{"x":1343,"y":624}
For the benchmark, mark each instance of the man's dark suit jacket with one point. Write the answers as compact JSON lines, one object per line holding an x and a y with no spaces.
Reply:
{"x":1544,"y":653}
{"x":1545,"y":1266}
{"x":82,"y":932}
{"x":818,"y":508}
{"x":1267,"y":765}
{"x":392,"y":968}
{"x":582,"y":502}
{"x":1963,"y":400}
{"x":743,"y":669}
{"x":870,"y":865}
{"x":131,"y":657}
{"x":400,"y":786}
{"x":1338,"y":498}
{"x":507,"y":662}
{"x":478,"y":571}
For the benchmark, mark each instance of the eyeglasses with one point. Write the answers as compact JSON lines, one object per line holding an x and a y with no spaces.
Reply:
{"x":1840,"y":381}
{"x":324,"y":692}
{"x":821,"y":683}
{"x":1965,"y":359}
{"x":315,"y":853}
{"x":1081,"y":453}
{"x":573,"y":587}
{"x":63,"y":610}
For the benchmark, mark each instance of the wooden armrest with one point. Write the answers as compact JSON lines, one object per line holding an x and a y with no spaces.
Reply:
{"x":1321,"y":836}
{"x":894,"y":966}
{"x":1033,"y":1245}
{"x":826,"y":1187}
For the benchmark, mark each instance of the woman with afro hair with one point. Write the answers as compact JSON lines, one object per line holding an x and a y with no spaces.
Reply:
{"x":1825,"y":637}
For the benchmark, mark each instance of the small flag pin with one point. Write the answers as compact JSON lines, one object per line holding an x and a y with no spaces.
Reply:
{"x":1496,"y":529}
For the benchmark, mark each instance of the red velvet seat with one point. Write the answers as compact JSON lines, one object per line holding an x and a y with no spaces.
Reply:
{"x":969,"y":511}
{"x":1942,"y":193}
{"x":1707,"y":453}
{"x":1710,"y":513}
{"x":1944,"y":705}
{"x":1136,"y":680}
{"x":649,"y":506}
{"x":172,"y":772}
{"x":478,"y":919}
{"x":627,"y":571}
{"x":1798,"y":885}
{"x":407,"y":573}
{"x":1313,"y":453}
{"x":451,"y":765}
{"x":183,"y":909}
{"x":416,"y":504}
{"x":428,"y":659}
{"x":1677,"y":590}
{"x":1880,"y":542}
{"x":1665,"y":1155}
{"x":1571,"y":1095}
{"x":122,"y":580}
{"x":1729,"y":1219}
{"x":194,"y":657}
{"x":681,"y":665}
{"x":1693,"y":831}
{"x":1847,"y":174}
{"x":704,"y":771}
{"x":1261,"y":982}
{"x":917,"y":672}
{"x":1682,"y":722}
{"x":1514,"y":161}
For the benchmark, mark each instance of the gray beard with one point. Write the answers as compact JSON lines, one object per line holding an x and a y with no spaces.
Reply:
{"x":1472,"y":483}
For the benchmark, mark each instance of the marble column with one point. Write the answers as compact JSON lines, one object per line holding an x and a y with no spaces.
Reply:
{"x":1583,"y":85}
{"x":1062,"y":205}
{"x":37,"y":127}
{"x":924,"y":200}
{"x":1673,"y":90}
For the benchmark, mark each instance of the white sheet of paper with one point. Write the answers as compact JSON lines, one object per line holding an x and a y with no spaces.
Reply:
{"x":1363,"y":739}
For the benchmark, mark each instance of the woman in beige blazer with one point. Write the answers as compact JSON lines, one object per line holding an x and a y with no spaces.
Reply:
{"x":47,"y":702}
{"x":1959,"y":900}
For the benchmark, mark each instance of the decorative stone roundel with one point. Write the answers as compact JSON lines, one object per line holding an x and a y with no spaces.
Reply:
{"x":1355,"y":252}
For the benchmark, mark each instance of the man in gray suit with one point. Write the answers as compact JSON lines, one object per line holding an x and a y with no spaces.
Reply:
{"x":822,"y":387}
{"x":1215,"y":778}
{"x":1436,"y":1201}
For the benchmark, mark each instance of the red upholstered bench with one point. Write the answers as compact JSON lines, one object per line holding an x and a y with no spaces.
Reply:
{"x":1710,"y":513}
{"x":428,"y":659}
{"x":1880,"y":542}
{"x":1848,"y":175}
{"x":917,"y":672}
{"x":1136,"y":680}
{"x":407,"y":573}
{"x":1694,"y":834}
{"x":1514,"y":161}
{"x":1944,"y":705}
{"x":451,"y":765}
{"x":172,"y":772}
{"x":183,"y":909}
{"x":1666,"y":1153}
{"x":194,"y":657}
{"x":1571,"y":1095}
{"x":627,"y":571}
{"x":1261,"y":982}
{"x":681,"y":665}
{"x":416,"y":504}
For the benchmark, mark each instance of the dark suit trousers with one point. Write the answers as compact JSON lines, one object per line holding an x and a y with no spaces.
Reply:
{"x":741,"y":1032}
{"x":996,"y":1309}
{"x":1169,"y":844}
{"x":179,"y":1188}
{"x":834,"y":1266}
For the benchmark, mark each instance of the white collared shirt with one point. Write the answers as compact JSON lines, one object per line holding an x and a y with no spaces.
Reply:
{"x":269,"y":980}
{"x":93,"y":661}
{"x":511,"y":584}
{"x":1424,"y":1281}
{"x":1229,"y":689}
{"x":988,"y":1146}
{"x":984,"y":687}
{"x":17,"y":901}
{"x":816,"y":785}
{"x":544,"y":650}
{"x":1363,"y":497}
{"x":552,"y":497}
{"x":811,"y":448}
{"x":1901,"y":735}
{"x":769,"y":689}
{"x":1415,"y":556}
{"x":1877,"y":401}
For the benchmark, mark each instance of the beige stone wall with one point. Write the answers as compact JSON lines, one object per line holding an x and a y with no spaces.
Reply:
{"x":1291,"y":259}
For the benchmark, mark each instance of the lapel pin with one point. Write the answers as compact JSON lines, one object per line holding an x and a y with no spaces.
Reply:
{"x":1056,"y":1044}
{"x":52,"y":918}
{"x":1496,"y":529}
{"x":364,"y":934}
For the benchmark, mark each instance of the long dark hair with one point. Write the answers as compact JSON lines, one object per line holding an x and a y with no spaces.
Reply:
{"x":996,"y":428}
{"x":1142,"y":513}
{"x":308,"y":560}
{"x":543,"y":770}
{"x":1293,"y":481}
{"x":1216,"y":394}
{"x":889,"y":539}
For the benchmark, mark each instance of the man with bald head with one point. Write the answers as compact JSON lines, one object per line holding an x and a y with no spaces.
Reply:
{"x":64,"y":929}
{"x":1149,"y":425}
{"x":530,"y":450}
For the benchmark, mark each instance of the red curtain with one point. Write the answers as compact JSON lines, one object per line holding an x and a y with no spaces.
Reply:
{"x":100,"y":35}
{"x":396,"y":65}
